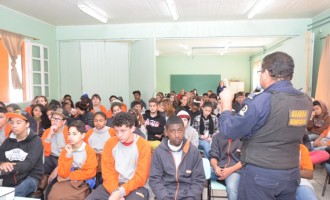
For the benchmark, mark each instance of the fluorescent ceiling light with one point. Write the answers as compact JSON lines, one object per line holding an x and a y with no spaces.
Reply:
{"x":93,"y":11}
{"x":173,"y":10}
{"x":260,"y":5}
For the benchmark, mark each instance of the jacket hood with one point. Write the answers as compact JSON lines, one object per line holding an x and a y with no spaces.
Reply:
{"x":324,"y":110}
{"x":28,"y":138}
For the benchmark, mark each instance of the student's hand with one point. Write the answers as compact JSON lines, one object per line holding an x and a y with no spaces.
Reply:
{"x":115,"y":195}
{"x":52,"y":131}
{"x":312,"y":115}
{"x":317,"y":142}
{"x":225,"y":172}
{"x":7,"y":166}
{"x":68,"y":149}
{"x":217,"y":171}
{"x":52,"y":175}
{"x":159,"y":136}
{"x":60,"y":179}
{"x":226,"y":95}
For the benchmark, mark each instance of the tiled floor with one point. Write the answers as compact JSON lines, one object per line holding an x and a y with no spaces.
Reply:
{"x":317,"y":182}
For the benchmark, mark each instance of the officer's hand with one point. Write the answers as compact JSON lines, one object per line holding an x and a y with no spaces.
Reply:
{"x":227,"y":98}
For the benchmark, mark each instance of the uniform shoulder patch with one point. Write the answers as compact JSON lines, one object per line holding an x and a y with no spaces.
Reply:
{"x":243,"y":110}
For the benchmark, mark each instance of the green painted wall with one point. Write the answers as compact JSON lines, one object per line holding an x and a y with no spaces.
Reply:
{"x":13,"y":21}
{"x":229,"y":67}
{"x":320,"y":32}
{"x":296,"y":48}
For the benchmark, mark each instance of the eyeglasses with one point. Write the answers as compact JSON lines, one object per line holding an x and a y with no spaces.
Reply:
{"x":56,"y":119}
{"x":259,"y":72}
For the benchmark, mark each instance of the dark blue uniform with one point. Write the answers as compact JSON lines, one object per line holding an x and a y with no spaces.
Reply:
{"x":259,"y":182}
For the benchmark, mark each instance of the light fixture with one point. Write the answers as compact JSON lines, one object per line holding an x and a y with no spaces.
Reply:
{"x":156,"y":52}
{"x":93,"y":11}
{"x":261,"y":4}
{"x":173,"y":10}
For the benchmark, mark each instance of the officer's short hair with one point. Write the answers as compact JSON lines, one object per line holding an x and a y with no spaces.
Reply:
{"x":279,"y":65}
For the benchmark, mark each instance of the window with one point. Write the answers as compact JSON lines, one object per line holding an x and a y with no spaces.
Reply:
{"x":33,"y":70}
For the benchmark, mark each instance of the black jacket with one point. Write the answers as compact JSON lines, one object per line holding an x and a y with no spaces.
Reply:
{"x":28,"y":156}
{"x":154,"y":125}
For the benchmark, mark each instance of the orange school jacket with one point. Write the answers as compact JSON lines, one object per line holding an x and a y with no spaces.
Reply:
{"x":90,"y":132}
{"x":102,"y":109}
{"x":87,"y":171}
{"x":47,"y":145}
{"x":111,"y":176}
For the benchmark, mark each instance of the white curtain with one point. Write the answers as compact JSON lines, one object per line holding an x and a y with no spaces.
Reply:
{"x":104,"y":68}
{"x":13,"y":44}
{"x":70,"y":70}
{"x":142,"y":71}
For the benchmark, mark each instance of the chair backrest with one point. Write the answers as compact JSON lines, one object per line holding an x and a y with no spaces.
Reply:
{"x":207,"y":168}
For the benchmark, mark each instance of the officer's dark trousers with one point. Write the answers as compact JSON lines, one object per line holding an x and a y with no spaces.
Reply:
{"x":266,"y":184}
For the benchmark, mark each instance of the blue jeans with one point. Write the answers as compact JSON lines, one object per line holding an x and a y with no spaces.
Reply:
{"x":26,"y":187}
{"x":231,"y":181}
{"x":261,"y":183}
{"x":305,"y":192}
{"x":206,"y":146}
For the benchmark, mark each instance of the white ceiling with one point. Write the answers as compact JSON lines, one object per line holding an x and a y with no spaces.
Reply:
{"x":66,"y":12}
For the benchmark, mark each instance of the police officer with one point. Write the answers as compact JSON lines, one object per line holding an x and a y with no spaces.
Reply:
{"x":272,"y":125}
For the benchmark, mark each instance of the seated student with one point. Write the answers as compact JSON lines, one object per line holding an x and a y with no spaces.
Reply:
{"x":38,"y":119}
{"x":97,"y":136}
{"x":176,"y":170}
{"x":225,"y":161}
{"x":139,"y":123}
{"x":166,"y":108}
{"x":123,"y":105}
{"x":183,"y":105}
{"x":206,"y":125}
{"x":54,"y":140}
{"x":137,"y":97}
{"x":84,"y":114}
{"x":305,"y":190}
{"x":138,"y":106}
{"x":4,"y":126}
{"x":195,"y":109}
{"x":319,"y":120}
{"x":189,"y":132}
{"x":239,"y":100}
{"x":125,"y":163}
{"x":97,"y":106}
{"x":154,"y":124}
{"x":13,"y":107}
{"x":77,"y":161}
{"x":213,"y":99}
{"x":115,"y":109}
{"x":21,"y":156}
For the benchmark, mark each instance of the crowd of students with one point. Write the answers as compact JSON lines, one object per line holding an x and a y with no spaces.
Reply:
{"x":49,"y":145}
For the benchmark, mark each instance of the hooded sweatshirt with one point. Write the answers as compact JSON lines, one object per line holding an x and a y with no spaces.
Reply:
{"x":320,"y":122}
{"x":28,"y":156}
{"x":154,"y":125}
{"x":185,"y":181}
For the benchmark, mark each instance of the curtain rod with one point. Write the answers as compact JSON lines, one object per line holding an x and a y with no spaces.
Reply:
{"x":318,"y":25}
{"x":26,"y":36}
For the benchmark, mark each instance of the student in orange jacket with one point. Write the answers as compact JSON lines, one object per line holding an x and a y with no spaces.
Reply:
{"x":125,"y":163}
{"x":97,"y":106}
{"x":4,"y":126}
{"x":54,"y":140}
{"x":77,"y":161}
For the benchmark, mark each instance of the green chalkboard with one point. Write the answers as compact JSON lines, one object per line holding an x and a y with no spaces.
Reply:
{"x":202,"y":83}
